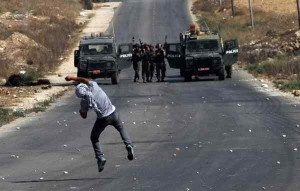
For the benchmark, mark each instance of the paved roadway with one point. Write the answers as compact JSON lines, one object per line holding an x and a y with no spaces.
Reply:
{"x":188,"y":136}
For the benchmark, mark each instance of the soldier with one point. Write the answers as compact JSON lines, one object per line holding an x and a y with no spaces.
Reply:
{"x":160,"y":63}
{"x":136,"y":58}
{"x":145,"y":63}
{"x":152,"y":63}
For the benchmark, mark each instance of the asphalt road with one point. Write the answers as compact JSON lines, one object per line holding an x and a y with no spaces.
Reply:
{"x":203,"y":135}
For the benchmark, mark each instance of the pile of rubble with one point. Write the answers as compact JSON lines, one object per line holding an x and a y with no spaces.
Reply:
{"x":272,"y":46}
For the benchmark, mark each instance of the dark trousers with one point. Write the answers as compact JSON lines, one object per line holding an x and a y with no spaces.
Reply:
{"x":161,"y":71}
{"x":100,"y":124}
{"x":136,"y":67}
{"x":145,"y":71}
{"x":228,"y":70}
{"x":151,"y":72}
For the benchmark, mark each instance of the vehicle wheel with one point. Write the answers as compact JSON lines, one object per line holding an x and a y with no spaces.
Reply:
{"x":187,"y":78}
{"x":222,"y":74}
{"x":82,"y":74}
{"x":115,"y":78}
{"x":181,"y":72}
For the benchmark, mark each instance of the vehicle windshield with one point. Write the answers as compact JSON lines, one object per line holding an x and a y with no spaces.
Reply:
{"x":94,"y":49}
{"x":203,"y":45}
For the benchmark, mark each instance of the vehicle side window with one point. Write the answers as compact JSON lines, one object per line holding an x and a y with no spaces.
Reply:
{"x":124,"y":49}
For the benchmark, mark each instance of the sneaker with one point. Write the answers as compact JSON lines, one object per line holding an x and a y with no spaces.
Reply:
{"x":130,"y":151}
{"x":101,"y":162}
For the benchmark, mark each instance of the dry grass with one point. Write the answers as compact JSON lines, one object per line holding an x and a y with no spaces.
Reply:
{"x":53,"y":27}
{"x":219,"y":19}
{"x":4,"y":65}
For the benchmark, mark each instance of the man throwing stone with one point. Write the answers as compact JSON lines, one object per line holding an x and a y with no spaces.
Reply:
{"x":93,"y":97}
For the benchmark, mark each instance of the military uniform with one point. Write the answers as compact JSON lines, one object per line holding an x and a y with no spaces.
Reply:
{"x":160,"y":64}
{"x":136,"y":58}
{"x":228,"y":71}
{"x":145,"y":65}
{"x":152,"y":63}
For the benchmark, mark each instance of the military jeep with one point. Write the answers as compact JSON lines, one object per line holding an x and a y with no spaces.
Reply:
{"x":97,"y":57}
{"x":201,"y":55}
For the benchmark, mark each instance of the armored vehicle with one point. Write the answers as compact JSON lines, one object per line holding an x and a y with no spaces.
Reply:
{"x":98,"y":57}
{"x":201,"y":54}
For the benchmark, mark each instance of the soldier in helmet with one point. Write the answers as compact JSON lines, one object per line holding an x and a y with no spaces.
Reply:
{"x":136,"y":58}
{"x":160,"y":63}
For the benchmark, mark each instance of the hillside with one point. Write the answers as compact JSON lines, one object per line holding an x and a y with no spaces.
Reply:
{"x":35,"y":34}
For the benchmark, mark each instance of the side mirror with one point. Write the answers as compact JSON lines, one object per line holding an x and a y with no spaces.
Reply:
{"x":119,"y":51}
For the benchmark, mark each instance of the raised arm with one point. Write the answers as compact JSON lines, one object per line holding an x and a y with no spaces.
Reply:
{"x":77,"y":79}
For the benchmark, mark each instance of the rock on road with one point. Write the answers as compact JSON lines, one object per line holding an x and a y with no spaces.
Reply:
{"x":203,"y":135}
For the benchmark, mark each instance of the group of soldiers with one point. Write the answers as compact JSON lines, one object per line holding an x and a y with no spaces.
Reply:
{"x":149,"y":58}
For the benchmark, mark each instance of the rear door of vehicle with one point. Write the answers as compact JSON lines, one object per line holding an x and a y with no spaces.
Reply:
{"x":231,"y":52}
{"x":124,"y":56}
{"x":173,"y":53}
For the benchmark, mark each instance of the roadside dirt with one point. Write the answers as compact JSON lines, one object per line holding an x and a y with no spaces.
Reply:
{"x":26,"y":98}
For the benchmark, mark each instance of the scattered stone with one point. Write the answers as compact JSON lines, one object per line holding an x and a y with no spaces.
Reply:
{"x":66,"y":172}
{"x":135,"y":179}
{"x":178,"y":149}
{"x":134,"y":123}
{"x":46,"y":87}
{"x":284,"y":136}
{"x":18,"y":128}
{"x":295,"y":149}
{"x":265,"y":85}
{"x":296,"y":93}
{"x":239,"y":105}
{"x":75,"y":112}
{"x":187,"y":189}
{"x":278,"y":162}
{"x":231,"y":150}
{"x":298,"y":126}
{"x":65,"y":145}
{"x":250,"y":130}
{"x":198,"y":172}
{"x":2,"y":82}
{"x":42,"y":178}
{"x":263,"y":188}
{"x":144,"y":122}
{"x":158,"y":125}
{"x":117,"y":165}
{"x":174,"y":155}
{"x":267,"y":99}
{"x":44,"y":172}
